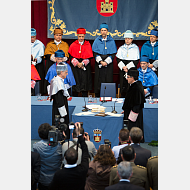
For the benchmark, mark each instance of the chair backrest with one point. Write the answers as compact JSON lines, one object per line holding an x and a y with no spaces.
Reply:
{"x":109,"y":88}
{"x":155,"y":91}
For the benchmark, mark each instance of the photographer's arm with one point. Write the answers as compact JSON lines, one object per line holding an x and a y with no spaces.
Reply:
{"x":84,"y":161}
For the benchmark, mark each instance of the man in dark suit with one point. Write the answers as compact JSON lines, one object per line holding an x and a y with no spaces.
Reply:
{"x":124,"y":172}
{"x":142,"y":154}
{"x":72,"y":176}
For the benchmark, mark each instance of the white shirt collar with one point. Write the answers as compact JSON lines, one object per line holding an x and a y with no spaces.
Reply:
{"x":152,"y":43}
{"x":70,"y":165}
{"x":81,"y":43}
{"x":124,"y":180}
{"x":57,"y":43}
{"x":104,"y":38}
{"x":144,"y":71}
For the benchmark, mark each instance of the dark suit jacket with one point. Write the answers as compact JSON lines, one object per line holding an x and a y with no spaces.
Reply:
{"x":72,"y":178}
{"x":142,"y":155}
{"x":123,"y":185}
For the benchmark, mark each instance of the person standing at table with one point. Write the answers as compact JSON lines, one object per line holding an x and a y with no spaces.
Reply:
{"x":150,"y":49}
{"x":69,"y":80}
{"x":134,"y":100}
{"x":51,"y":48}
{"x":80,"y":52}
{"x":37,"y":52}
{"x":59,"y":95}
{"x":127,"y":56}
{"x":104,"y":50}
{"x":147,"y":76}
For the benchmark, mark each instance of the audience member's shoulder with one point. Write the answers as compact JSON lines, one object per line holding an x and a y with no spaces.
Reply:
{"x":50,"y":43}
{"x":114,"y":168}
{"x":153,"y":158}
{"x":141,"y":167}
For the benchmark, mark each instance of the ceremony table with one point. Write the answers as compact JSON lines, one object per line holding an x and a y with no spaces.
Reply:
{"x":98,"y":127}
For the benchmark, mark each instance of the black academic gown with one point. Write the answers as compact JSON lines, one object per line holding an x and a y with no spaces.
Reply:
{"x":104,"y":74}
{"x":83,"y":78}
{"x":49,"y":63}
{"x":134,"y":100}
{"x":123,"y":82}
{"x":60,"y":100}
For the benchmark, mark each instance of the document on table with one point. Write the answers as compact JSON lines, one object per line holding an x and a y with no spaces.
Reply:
{"x":114,"y":114}
{"x":84,"y":113}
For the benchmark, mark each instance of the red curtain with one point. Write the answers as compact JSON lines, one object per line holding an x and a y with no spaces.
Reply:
{"x":39,"y":22}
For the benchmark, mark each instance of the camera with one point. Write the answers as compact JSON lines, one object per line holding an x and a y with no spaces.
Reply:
{"x":107,"y":142}
{"x":56,"y":133}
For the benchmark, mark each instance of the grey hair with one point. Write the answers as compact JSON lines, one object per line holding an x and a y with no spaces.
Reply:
{"x":124,"y":169}
{"x":61,"y":67}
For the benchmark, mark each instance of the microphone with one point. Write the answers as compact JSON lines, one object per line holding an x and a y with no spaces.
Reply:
{"x":114,"y":111}
{"x":104,"y":95}
{"x":85,"y":108}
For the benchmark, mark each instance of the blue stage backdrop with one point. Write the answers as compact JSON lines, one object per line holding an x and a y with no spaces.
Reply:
{"x":139,"y":16}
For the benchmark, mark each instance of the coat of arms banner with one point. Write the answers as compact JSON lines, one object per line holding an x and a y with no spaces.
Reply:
{"x":139,"y":16}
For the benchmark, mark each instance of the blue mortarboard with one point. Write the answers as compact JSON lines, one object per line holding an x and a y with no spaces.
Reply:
{"x":103,"y":25}
{"x":59,"y":53}
{"x":154,"y":32}
{"x":144,"y":58}
{"x":33,"y":32}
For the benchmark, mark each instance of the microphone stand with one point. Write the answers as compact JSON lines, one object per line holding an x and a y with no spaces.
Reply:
{"x":114,"y":111}
{"x":85,"y":108}
{"x":104,"y":96}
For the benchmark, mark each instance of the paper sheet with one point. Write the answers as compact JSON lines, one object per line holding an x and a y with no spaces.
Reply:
{"x":114,"y":114}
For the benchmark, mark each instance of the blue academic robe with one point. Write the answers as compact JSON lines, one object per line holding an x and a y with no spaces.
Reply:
{"x":148,"y":79}
{"x":68,"y":80}
{"x":147,"y":50}
{"x":104,"y":50}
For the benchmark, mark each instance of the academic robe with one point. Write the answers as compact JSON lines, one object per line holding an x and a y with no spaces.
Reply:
{"x":59,"y":94}
{"x":134,"y":100}
{"x":149,"y":79}
{"x":126,"y":54}
{"x":83,"y":77}
{"x":151,"y":52}
{"x":105,"y":51}
{"x":70,"y":80}
{"x":50,"y":49}
{"x":37,"y":50}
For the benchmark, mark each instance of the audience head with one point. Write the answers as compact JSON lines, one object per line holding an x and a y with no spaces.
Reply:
{"x":128,"y":153}
{"x":123,"y":135}
{"x":43,"y":130}
{"x":124,"y":170}
{"x":135,"y":135}
{"x":71,"y":156}
{"x":105,"y":155}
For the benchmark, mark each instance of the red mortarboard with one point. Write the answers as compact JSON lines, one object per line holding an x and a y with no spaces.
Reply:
{"x":81,"y":31}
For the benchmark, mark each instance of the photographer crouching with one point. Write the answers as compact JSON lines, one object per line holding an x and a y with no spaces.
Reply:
{"x":51,"y":156}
